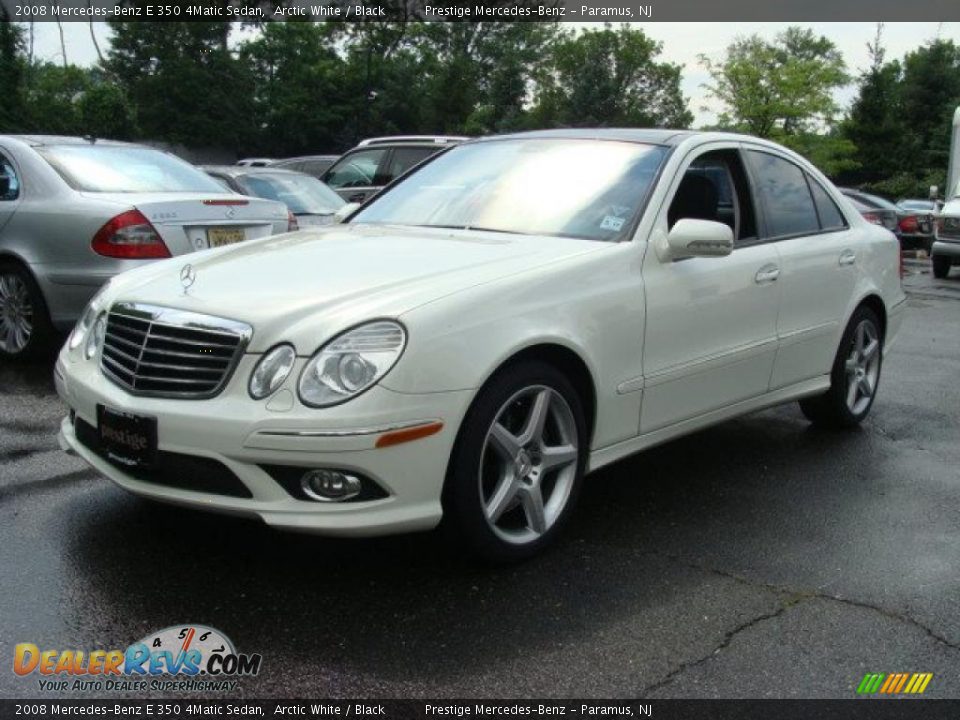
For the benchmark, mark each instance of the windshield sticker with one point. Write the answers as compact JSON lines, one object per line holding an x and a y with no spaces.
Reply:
{"x":612,"y":222}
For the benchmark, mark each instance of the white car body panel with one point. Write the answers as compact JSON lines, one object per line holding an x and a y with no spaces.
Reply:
{"x":670,"y":347}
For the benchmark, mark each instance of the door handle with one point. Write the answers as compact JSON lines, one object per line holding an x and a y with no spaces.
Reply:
{"x":767,"y":274}
{"x":847,"y":257}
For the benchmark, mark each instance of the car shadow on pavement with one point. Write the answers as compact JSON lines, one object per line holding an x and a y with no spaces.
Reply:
{"x":394,"y":615}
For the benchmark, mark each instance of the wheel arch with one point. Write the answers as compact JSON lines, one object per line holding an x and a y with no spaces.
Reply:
{"x":875,"y":303}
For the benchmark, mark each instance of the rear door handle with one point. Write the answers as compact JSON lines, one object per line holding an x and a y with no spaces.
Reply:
{"x":767,"y":274}
{"x":847,"y":257}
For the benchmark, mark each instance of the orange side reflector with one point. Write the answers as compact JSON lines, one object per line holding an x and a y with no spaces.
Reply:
{"x":415,"y":433}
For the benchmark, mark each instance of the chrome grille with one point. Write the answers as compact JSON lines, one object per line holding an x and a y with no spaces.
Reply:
{"x":162,"y":352}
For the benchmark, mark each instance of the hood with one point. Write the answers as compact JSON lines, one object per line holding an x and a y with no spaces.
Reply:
{"x":307,"y":286}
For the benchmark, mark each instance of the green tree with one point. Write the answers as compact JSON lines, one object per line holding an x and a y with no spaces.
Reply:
{"x":184,"y":81}
{"x":611,"y":77}
{"x":875,"y":124}
{"x":301,"y":95}
{"x":53,"y":98}
{"x":929,"y":94}
{"x":105,"y":111}
{"x":780,"y":88}
{"x":11,"y":75}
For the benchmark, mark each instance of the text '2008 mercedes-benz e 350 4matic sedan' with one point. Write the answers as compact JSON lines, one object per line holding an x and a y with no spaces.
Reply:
{"x":518,"y":311}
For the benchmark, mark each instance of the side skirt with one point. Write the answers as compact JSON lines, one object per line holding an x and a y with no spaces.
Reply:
{"x":612,"y":453}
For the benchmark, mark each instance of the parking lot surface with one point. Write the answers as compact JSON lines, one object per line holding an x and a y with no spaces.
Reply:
{"x":759,"y":558}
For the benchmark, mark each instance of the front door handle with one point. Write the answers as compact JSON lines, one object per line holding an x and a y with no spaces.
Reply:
{"x":847,"y":257}
{"x":767,"y":274}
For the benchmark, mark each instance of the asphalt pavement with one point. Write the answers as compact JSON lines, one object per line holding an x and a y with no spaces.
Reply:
{"x":759,"y":558}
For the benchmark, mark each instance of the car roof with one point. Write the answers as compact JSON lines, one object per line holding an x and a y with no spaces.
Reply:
{"x":237,"y":170}
{"x":658,"y":136}
{"x":301,"y":158}
{"x":43,"y":140}
{"x":413,"y":139}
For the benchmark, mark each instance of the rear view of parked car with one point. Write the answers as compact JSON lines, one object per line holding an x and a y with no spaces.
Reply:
{"x":309,"y":201}
{"x":75,"y":212}
{"x":913,"y":227}
{"x":360,"y":173}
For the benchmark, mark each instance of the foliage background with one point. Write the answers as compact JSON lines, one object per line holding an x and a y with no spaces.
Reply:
{"x":299,"y":87}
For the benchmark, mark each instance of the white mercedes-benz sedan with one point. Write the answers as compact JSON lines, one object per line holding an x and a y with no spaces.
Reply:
{"x":513,"y":314}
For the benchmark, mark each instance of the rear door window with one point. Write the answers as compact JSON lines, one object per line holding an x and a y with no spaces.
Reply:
{"x":830,"y":216}
{"x":403,"y":159}
{"x":785,"y":195}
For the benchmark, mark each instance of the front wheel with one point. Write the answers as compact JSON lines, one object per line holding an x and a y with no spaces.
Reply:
{"x":516,"y":469}
{"x":941,"y":266}
{"x":854,"y":377}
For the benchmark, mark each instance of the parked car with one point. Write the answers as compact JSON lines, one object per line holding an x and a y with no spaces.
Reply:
{"x":946,"y":249}
{"x":929,"y":206}
{"x":507,"y":317}
{"x":376,"y":162}
{"x":254,"y":162}
{"x":315,"y":165}
{"x":75,"y":212}
{"x":309,"y":201}
{"x":914,"y":228}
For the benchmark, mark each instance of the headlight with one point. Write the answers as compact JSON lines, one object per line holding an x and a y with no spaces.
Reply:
{"x":351,"y":363}
{"x":95,"y":337}
{"x":271,"y":371}
{"x":86,"y":320}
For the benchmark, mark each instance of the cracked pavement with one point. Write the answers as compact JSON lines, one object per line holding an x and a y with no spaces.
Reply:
{"x":759,"y":558}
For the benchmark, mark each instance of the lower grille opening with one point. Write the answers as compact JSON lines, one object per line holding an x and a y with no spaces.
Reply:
{"x":175,"y":470}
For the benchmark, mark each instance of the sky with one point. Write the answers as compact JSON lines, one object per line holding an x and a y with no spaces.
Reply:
{"x":682,"y":43}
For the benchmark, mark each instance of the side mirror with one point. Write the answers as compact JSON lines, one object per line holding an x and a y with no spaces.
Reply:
{"x":344,"y":212}
{"x":4,"y":186}
{"x":699,"y":238}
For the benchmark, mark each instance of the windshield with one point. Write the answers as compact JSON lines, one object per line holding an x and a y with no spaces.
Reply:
{"x":302,"y":194}
{"x":588,"y":189}
{"x":115,"y":168}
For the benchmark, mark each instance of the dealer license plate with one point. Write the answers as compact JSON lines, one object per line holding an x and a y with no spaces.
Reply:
{"x":218,"y":237}
{"x":127,"y":439}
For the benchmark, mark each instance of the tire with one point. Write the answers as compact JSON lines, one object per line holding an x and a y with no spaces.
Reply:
{"x":854,"y":378}
{"x":25,"y":328}
{"x":941,"y":266}
{"x":501,"y":464}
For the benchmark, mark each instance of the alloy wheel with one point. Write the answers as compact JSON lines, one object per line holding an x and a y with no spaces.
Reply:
{"x":528,"y":465}
{"x":16,"y":313}
{"x":862,"y":367}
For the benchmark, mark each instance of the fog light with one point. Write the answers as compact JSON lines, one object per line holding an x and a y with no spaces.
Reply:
{"x":330,"y":485}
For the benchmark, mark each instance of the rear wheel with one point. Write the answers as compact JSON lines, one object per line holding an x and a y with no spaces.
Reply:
{"x":25,"y":328}
{"x":941,"y":266}
{"x":516,"y":469}
{"x":854,"y":377}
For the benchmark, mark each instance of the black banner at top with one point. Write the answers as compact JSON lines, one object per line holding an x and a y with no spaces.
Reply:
{"x":580,"y":11}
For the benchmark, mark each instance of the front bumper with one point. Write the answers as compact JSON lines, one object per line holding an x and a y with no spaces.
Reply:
{"x":946,"y":246}
{"x":245,"y":436}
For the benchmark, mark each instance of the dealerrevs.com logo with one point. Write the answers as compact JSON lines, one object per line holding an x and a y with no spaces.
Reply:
{"x":186,"y":658}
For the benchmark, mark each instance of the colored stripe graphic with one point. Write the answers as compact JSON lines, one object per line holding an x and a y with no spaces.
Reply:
{"x":894,"y":684}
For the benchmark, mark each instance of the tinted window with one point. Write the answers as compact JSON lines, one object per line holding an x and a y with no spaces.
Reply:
{"x":315,"y":167}
{"x":113,"y":168}
{"x":355,"y":170}
{"x":13,"y":182}
{"x":830,"y":216}
{"x":403,"y":159}
{"x":785,"y":195}
{"x":573,"y":188}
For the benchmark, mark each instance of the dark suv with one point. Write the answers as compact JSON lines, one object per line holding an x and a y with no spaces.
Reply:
{"x":360,"y":173}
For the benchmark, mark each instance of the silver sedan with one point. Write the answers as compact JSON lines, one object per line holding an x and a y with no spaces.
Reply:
{"x":75,"y":212}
